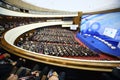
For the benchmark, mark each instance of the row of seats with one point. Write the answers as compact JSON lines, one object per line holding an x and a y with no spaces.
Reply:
{"x":54,"y":32}
{"x":8,"y":24}
{"x":54,"y":39}
{"x":58,"y":49}
{"x":67,"y":50}
{"x":55,"y":35}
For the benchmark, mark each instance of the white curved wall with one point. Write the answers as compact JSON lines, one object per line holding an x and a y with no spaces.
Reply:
{"x":4,"y":11}
{"x":77,"y":5}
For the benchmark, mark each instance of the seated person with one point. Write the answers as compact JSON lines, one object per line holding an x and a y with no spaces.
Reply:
{"x":5,"y":55}
{"x":54,"y":76}
{"x":12,"y":77}
{"x":24,"y":73}
{"x":33,"y":76}
{"x":19,"y":63}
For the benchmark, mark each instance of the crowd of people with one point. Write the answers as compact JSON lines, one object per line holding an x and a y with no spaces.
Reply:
{"x":55,"y":41}
{"x":24,"y":73}
{"x":54,"y":35}
{"x":7,"y":65}
{"x":17,"y":70}
{"x":49,"y":41}
{"x":7,"y":22}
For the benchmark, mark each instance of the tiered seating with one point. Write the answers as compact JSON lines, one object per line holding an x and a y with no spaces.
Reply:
{"x":56,"y":35}
{"x":67,"y":50}
{"x":12,"y":22}
{"x":57,"y":42}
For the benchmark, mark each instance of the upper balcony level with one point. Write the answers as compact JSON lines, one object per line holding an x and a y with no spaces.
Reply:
{"x":11,"y":10}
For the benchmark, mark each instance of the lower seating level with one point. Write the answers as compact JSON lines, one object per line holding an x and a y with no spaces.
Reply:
{"x":61,"y":42}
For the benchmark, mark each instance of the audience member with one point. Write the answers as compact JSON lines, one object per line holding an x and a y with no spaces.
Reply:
{"x":12,"y":77}
{"x":19,"y":63}
{"x":54,"y":76}
{"x":4,"y":55}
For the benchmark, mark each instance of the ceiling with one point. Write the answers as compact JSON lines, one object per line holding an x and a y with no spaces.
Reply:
{"x":67,"y":5}
{"x":76,"y":5}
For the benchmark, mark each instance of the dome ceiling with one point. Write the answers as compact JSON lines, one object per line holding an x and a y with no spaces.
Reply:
{"x":76,"y":5}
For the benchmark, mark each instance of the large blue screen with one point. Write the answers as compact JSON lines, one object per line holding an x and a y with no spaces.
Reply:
{"x":107,"y":24}
{"x":101,"y":32}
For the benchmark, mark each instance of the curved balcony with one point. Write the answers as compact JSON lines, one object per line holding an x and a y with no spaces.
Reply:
{"x":7,"y":42}
{"x":6,"y":8}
